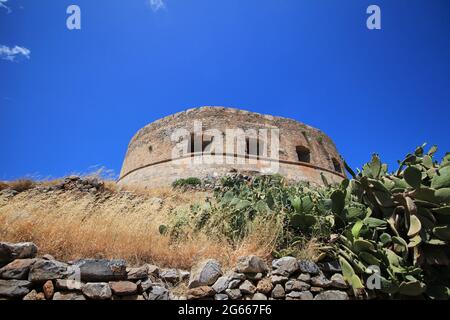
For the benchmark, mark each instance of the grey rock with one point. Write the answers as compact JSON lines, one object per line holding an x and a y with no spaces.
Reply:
{"x":278,"y":292}
{"x":320,"y":281}
{"x":157,"y":293}
{"x":221,"y":284}
{"x":330,"y":266}
{"x":205,"y":273}
{"x":170,"y":275}
{"x":220,"y":296}
{"x":259,"y":296}
{"x":297,"y":295}
{"x":139,"y":273}
{"x":68,"y":285}
{"x":153,"y":270}
{"x":97,"y":290}
{"x":13,"y":251}
{"x":247,"y":287}
{"x":68,"y":296}
{"x":254,"y":276}
{"x":296,"y":285}
{"x":284,"y":266}
{"x":234,"y":284}
{"x":235,"y":276}
{"x":332,"y":295}
{"x":337,"y":281}
{"x":44,"y":270}
{"x":251,"y":264}
{"x":48,"y":257}
{"x":305,"y":277}
{"x":101,"y":270}
{"x":307,"y":266}
{"x":14,"y":288}
{"x":144,"y":285}
{"x":17,"y":269}
{"x":278,"y":279}
{"x":233,"y":294}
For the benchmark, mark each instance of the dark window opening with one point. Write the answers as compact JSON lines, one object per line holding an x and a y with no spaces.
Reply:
{"x":207,"y":144}
{"x":336,"y":165}
{"x":192,"y":144}
{"x":150,"y":149}
{"x":254,"y":147}
{"x":303,"y":154}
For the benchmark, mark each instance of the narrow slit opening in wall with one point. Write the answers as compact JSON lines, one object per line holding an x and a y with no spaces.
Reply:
{"x":303,"y":154}
{"x":150,"y":149}
{"x":253,"y":147}
{"x":192,"y":147}
{"x":336,"y":165}
{"x":207,"y":144}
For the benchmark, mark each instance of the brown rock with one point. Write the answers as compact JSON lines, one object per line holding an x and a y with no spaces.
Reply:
{"x":140,"y":273}
{"x":33,"y":295}
{"x":18,"y":269}
{"x":48,"y":290}
{"x":200,"y":292}
{"x":123,"y":288}
{"x":264,"y":286}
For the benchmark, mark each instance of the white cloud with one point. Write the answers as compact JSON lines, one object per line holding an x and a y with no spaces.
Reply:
{"x":156,"y":5}
{"x":4,"y":6}
{"x":11,"y":54}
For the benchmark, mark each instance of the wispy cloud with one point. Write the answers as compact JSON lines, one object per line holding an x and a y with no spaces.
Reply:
{"x":14,"y":53}
{"x":4,"y":6}
{"x":156,"y":5}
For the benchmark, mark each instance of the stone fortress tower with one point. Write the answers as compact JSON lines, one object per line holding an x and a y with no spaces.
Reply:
{"x":212,"y":141}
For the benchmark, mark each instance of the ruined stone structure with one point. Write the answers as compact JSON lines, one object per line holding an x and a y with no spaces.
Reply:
{"x":212,"y":141}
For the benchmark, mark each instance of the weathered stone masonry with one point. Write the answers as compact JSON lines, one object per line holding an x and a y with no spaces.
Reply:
{"x":304,"y":152}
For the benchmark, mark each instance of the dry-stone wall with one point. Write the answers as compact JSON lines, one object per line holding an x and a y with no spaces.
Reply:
{"x":25,"y":276}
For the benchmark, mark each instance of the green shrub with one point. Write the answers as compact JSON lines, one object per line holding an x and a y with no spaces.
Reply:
{"x":398,"y":222}
{"x":192,"y":181}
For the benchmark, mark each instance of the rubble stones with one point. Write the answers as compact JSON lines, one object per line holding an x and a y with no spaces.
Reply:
{"x":332,"y":295}
{"x":205,"y":273}
{"x":123,"y":288}
{"x":251,"y":264}
{"x":17,"y":269}
{"x":13,"y":251}
{"x":93,"y":270}
{"x":14,"y":288}
{"x":43,"y":270}
{"x":48,"y":289}
{"x":284,"y":266}
{"x":251,"y":280}
{"x":307,"y":266}
{"x":97,"y":290}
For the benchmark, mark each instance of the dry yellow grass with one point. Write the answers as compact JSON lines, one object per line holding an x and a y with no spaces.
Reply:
{"x":71,"y":225}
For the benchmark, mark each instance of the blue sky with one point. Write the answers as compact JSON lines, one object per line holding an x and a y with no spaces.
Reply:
{"x":77,"y":97}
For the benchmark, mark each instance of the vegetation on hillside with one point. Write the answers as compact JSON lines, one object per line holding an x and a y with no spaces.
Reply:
{"x":397,"y":222}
